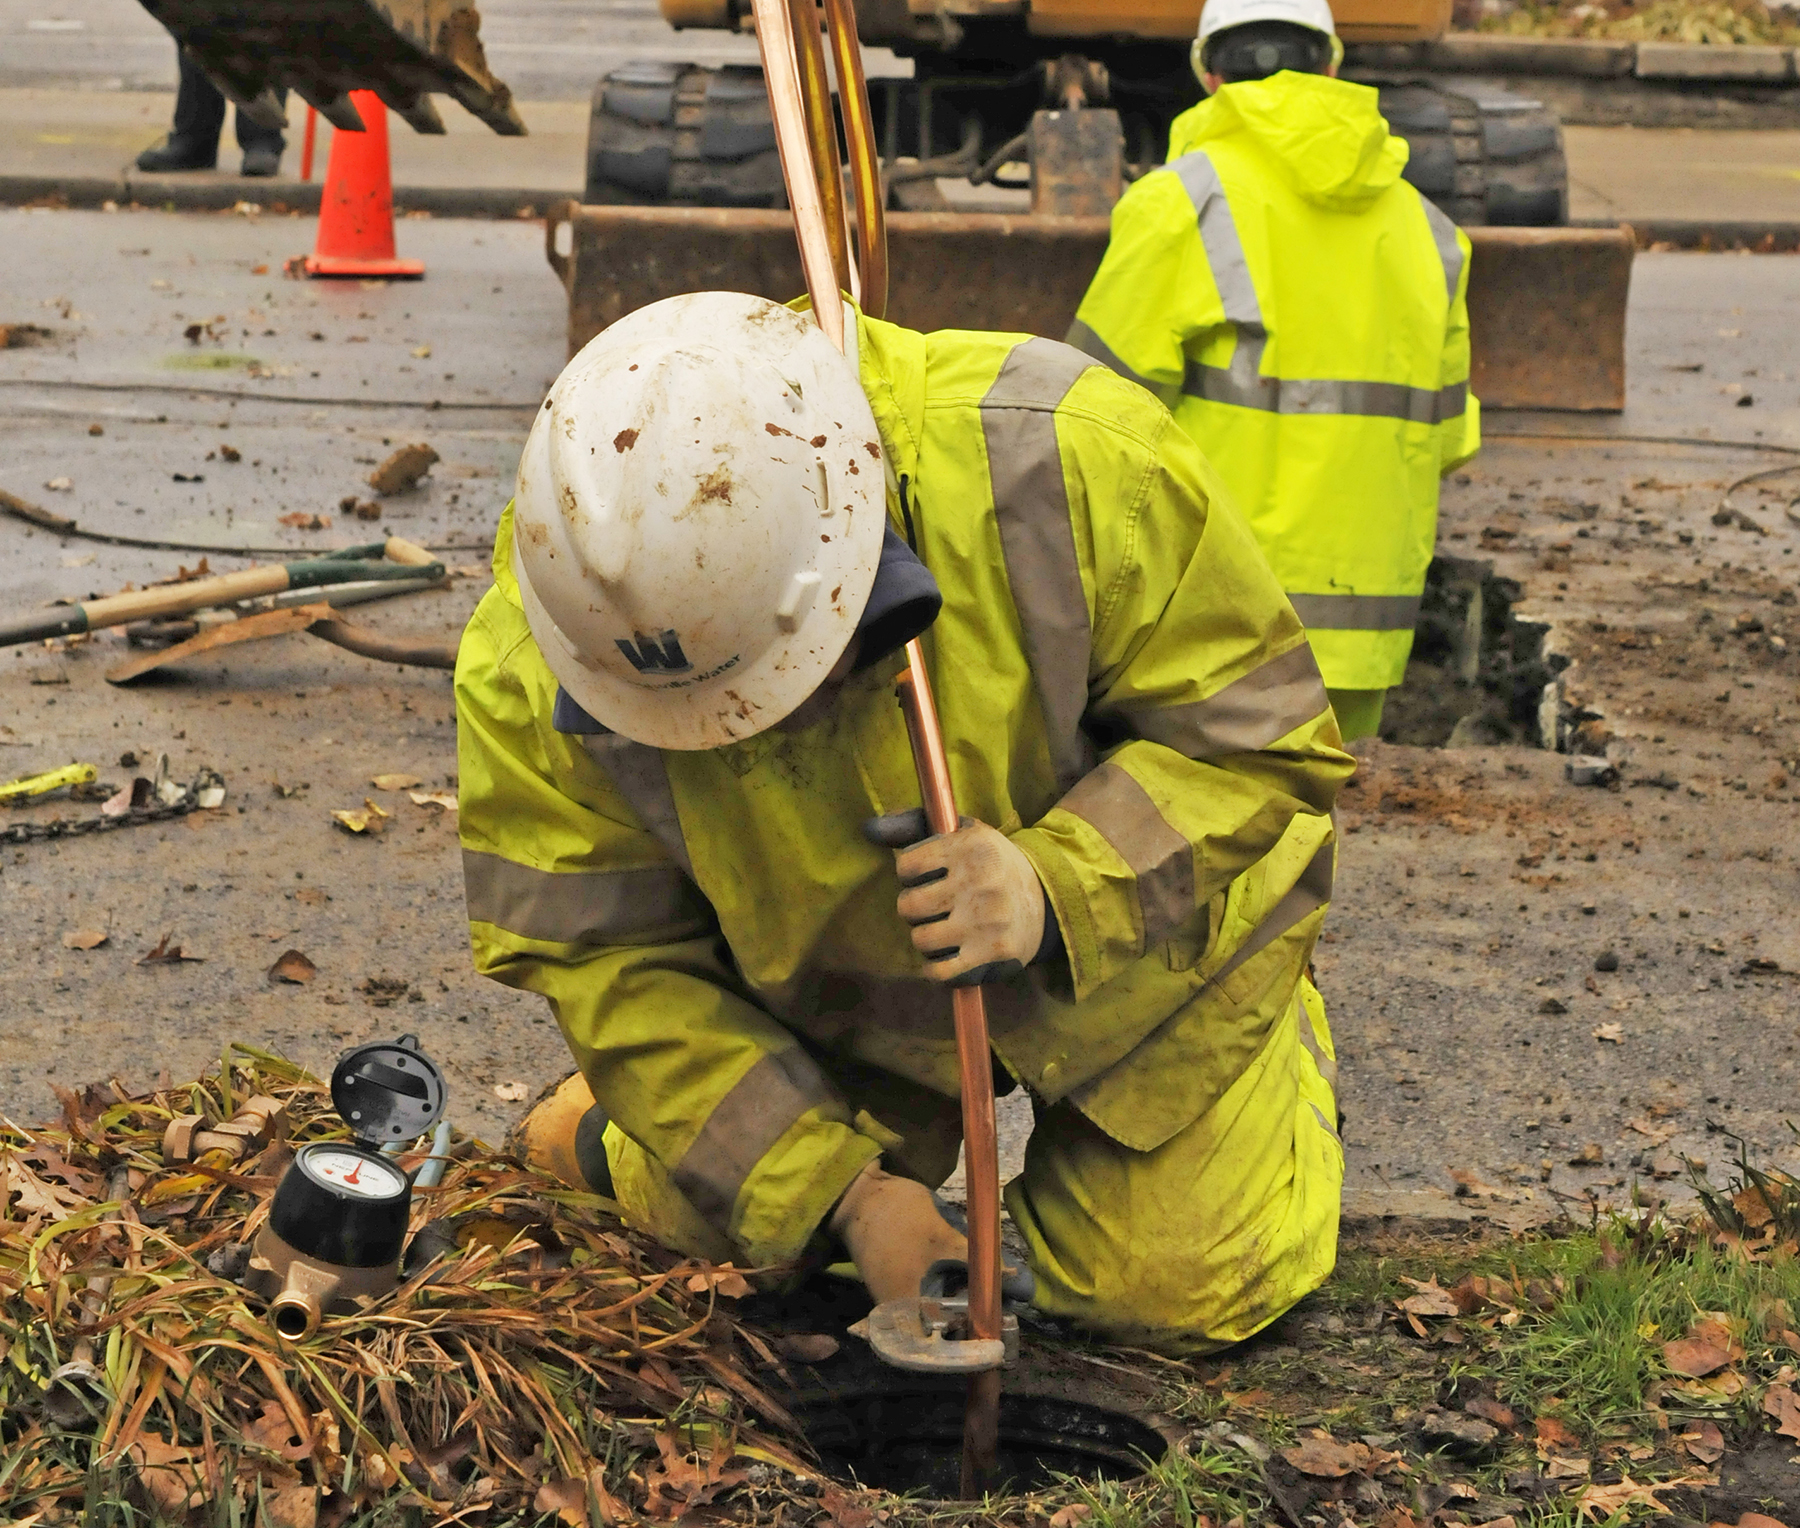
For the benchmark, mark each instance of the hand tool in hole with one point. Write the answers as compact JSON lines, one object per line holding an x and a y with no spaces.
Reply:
{"x":787,"y":36}
{"x":337,"y":1223}
{"x":350,"y":565}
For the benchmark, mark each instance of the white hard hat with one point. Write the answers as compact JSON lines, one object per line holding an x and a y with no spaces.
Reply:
{"x":698,"y":518}
{"x":1220,"y":15}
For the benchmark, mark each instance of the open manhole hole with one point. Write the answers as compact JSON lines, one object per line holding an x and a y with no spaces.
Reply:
{"x":908,"y":1438}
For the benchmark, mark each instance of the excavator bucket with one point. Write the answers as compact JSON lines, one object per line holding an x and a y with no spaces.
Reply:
{"x":404,"y":50}
{"x":1546,"y":305}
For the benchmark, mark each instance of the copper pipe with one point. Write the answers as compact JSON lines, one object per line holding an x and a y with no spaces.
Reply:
{"x":821,"y":131}
{"x":865,"y":161}
{"x":981,"y":1419}
{"x":781,"y":72}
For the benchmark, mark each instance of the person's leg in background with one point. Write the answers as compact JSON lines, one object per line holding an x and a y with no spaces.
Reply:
{"x":1358,"y":712}
{"x":193,"y":141}
{"x":262,"y":146}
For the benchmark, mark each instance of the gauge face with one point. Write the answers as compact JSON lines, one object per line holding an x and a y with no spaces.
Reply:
{"x":355,"y":1174}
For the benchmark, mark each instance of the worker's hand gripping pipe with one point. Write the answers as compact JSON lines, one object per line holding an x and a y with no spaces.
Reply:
{"x":787,"y":35}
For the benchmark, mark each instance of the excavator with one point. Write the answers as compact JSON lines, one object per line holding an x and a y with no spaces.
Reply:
{"x":1067,"y":100}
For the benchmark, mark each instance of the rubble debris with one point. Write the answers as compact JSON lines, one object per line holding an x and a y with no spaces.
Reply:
{"x":24,"y":336}
{"x":1589,"y":769}
{"x":395,"y":782}
{"x":363,"y":509}
{"x":85,"y":939}
{"x":403,"y":469}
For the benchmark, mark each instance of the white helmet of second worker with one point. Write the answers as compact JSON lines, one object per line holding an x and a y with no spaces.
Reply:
{"x":698,"y":518}
{"x":1223,"y":15}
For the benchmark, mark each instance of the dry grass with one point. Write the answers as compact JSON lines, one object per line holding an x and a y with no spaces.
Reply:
{"x":550,"y":1363}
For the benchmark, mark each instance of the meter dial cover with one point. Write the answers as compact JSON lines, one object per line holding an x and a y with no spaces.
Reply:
{"x":388,"y":1092}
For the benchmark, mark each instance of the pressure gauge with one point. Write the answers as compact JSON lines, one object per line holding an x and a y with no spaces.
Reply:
{"x":343,"y":1205}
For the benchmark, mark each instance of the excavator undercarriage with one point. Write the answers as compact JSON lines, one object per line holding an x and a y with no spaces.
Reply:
{"x":1066,"y":99}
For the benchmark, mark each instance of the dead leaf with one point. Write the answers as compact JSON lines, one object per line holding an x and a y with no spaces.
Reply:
{"x":166,"y":954}
{"x":312,"y":896}
{"x":293,"y":966}
{"x":1780,"y":1403}
{"x":808,"y":1347}
{"x":274,"y":1430}
{"x":394,"y":782}
{"x":1569,"y":1467}
{"x":1603,"y":1502}
{"x":1613,"y":1034}
{"x":1759,"y":1520}
{"x":1591,"y":1155}
{"x":1501,"y":1416}
{"x":1432,"y":1299}
{"x":172,"y":1477}
{"x":403,"y":469}
{"x":1704,"y":1442}
{"x":1753,"y":1207}
{"x":1071,"y":1516}
{"x":1695,"y":1357}
{"x":510,"y":1092}
{"x":445,"y":799}
{"x":302,"y":521}
{"x":1320,"y":1455}
{"x":84,"y":939}
{"x":369,"y":818}
{"x":294,"y":1506}
{"x":568,"y":1499}
{"x":725,"y":1279}
{"x":1554,"y":1437}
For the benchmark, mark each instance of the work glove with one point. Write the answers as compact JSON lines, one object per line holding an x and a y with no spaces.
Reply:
{"x":974,"y":901}
{"x":892,"y":1230}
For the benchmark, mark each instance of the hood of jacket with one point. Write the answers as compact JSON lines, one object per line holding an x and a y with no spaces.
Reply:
{"x":1328,"y":136}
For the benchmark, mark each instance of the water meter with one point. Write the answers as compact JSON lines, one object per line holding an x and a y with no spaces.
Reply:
{"x":337,"y":1223}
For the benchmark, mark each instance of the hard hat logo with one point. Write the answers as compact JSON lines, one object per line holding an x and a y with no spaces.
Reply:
{"x":720,"y":504}
{"x":662,"y":653}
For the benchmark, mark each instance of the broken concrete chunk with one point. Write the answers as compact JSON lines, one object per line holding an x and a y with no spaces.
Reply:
{"x":1589,"y":769}
{"x":403,"y":469}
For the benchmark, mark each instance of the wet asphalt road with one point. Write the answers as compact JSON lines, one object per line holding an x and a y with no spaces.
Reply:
{"x":1442,"y":946}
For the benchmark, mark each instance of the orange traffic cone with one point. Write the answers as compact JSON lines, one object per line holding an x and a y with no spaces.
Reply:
{"x":356,"y":209}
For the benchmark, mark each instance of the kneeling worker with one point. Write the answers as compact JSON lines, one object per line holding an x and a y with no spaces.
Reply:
{"x":685,"y":780}
{"x":1303,"y":310}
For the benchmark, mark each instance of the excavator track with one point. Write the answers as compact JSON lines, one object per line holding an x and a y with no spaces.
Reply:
{"x":685,"y":135}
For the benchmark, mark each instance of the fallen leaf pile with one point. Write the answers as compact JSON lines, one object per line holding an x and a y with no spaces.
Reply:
{"x":544,"y":1355}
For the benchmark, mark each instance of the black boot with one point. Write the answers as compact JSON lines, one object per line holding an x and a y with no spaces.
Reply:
{"x":263,"y":159}
{"x":178,"y":153}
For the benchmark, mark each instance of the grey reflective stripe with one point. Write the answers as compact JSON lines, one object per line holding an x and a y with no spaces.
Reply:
{"x":1324,"y":1124}
{"x":1251,"y":712}
{"x":1242,"y":383}
{"x":642,"y":779}
{"x":1328,"y":1068}
{"x":579,"y":906}
{"x":1031,"y":509}
{"x":1443,"y":234}
{"x":1285,"y":395}
{"x":1357,"y":612}
{"x":1088,"y":342}
{"x":1161,"y":859}
{"x":743,"y":1126}
{"x":1304,"y":898}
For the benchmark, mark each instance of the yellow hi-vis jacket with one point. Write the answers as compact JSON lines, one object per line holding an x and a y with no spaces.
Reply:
{"x":1304,"y":312}
{"x":1123,"y":690}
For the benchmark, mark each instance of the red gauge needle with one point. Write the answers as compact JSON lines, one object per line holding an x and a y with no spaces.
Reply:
{"x":355,"y":1175}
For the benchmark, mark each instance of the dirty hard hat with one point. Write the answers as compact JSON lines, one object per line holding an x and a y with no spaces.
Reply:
{"x":698,"y":518}
{"x":1223,"y":15}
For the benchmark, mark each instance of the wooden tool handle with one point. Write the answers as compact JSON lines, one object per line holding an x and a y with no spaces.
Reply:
{"x":399,"y":549}
{"x":178,"y":599}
